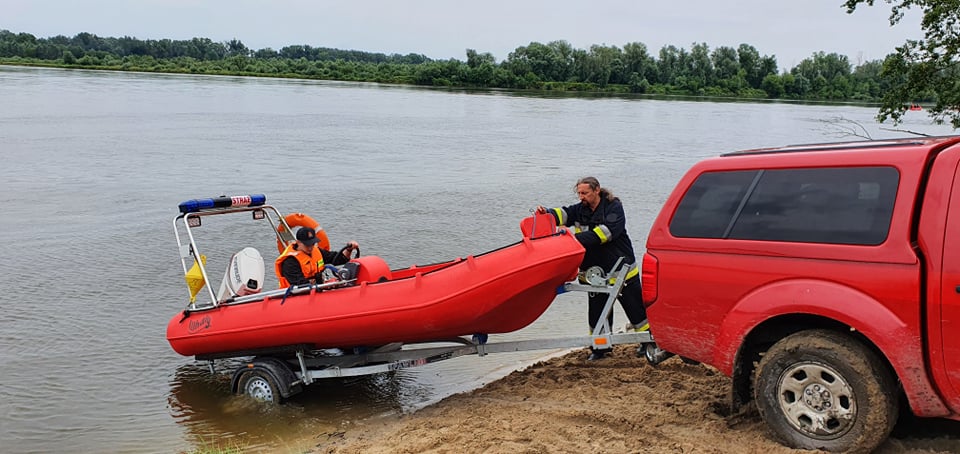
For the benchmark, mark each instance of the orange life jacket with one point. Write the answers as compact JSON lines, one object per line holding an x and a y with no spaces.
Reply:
{"x":310,"y":264}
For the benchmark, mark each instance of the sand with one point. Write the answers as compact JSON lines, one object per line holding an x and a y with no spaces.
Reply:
{"x":620,"y":404}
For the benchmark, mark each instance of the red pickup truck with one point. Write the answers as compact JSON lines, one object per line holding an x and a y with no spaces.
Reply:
{"x":824,"y":279}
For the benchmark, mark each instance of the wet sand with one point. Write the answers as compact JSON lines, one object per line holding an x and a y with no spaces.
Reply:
{"x":620,"y":404}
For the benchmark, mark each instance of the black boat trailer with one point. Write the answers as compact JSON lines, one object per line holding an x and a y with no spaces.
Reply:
{"x":275,"y":374}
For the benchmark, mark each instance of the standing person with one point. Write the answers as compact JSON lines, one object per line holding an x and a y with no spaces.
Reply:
{"x":303,"y":261}
{"x":601,"y":227}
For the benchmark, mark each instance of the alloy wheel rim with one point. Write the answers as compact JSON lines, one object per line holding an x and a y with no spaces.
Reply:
{"x":817,"y":400}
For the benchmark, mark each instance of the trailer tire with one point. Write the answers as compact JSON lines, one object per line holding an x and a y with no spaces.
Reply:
{"x":260,"y":385}
{"x":821,"y":389}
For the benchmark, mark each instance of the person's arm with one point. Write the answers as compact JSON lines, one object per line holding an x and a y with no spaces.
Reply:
{"x":340,"y":257}
{"x":290,"y":268}
{"x":614,"y":224}
{"x":562,"y":216}
{"x":334,"y":258}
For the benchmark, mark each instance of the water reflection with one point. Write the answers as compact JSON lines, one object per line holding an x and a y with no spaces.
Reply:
{"x":204,"y":406}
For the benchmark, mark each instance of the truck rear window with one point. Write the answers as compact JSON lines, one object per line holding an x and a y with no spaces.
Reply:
{"x":841,"y":205}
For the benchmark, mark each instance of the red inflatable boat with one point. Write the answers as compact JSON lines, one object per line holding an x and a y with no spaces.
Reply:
{"x":495,"y":292}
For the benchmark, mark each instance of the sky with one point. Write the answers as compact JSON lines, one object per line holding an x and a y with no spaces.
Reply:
{"x":790,"y":30}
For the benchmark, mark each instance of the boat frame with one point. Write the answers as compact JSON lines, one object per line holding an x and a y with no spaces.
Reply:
{"x":190,"y":253}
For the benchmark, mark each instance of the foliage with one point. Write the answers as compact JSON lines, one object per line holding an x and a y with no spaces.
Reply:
{"x":926,"y":69}
{"x":554,"y":66}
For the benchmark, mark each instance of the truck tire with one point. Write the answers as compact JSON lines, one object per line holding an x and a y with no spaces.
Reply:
{"x":821,"y":389}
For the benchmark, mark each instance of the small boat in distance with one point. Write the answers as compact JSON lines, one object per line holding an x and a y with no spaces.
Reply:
{"x":367,"y":304}
{"x":915,"y":107}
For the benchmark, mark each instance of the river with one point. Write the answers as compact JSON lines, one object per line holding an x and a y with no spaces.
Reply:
{"x":95,"y":163}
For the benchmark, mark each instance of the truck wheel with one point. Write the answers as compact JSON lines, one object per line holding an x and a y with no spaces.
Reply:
{"x":820,"y":389}
{"x":261,"y":386}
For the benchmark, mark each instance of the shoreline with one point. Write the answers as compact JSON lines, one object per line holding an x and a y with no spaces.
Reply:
{"x":567,"y":404}
{"x":557,"y":93}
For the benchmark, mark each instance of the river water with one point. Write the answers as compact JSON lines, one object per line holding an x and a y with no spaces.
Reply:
{"x":95,"y":163}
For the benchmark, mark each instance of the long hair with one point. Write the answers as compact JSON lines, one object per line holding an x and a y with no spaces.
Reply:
{"x":595,"y":184}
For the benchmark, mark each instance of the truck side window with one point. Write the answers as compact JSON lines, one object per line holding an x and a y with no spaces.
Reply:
{"x":842,"y":205}
{"x":710,"y":204}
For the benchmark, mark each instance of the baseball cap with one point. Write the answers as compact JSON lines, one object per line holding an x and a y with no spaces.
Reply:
{"x":307,"y":236}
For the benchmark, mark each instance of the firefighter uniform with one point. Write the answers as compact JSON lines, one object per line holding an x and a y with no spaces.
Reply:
{"x":603,"y":233}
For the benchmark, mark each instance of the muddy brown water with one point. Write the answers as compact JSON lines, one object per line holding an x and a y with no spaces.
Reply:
{"x":95,"y":164}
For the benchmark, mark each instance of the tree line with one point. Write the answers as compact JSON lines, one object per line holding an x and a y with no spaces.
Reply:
{"x":700,"y":71}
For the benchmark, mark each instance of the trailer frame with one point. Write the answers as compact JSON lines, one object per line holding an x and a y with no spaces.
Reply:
{"x":276,"y":374}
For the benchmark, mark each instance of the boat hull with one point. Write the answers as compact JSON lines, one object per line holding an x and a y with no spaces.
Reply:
{"x":496,"y":292}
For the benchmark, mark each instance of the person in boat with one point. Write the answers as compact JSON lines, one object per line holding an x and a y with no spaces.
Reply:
{"x":601,"y":227}
{"x":302,"y":262}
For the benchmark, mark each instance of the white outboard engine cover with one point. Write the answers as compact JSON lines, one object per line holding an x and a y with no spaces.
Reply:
{"x":244,"y":275}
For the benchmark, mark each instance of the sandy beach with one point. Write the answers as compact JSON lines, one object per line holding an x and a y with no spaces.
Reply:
{"x":620,"y":404}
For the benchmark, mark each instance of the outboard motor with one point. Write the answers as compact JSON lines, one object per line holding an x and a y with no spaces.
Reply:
{"x":244,"y":274}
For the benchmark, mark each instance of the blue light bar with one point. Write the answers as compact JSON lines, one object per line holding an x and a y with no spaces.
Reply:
{"x":196,"y":205}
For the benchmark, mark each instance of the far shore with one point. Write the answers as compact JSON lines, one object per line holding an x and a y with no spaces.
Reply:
{"x":555,"y":92}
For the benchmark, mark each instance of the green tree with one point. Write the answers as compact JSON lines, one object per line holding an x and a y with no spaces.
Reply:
{"x":563,"y":53}
{"x":480,"y":68}
{"x":672,"y":64}
{"x":929,"y":65}
{"x":725,"y":61}
{"x":768,"y":65}
{"x":828,"y":66}
{"x":866,"y":80}
{"x":543,"y":60}
{"x":236,"y":48}
{"x":701,"y":67}
{"x":474,"y":59}
{"x":605,"y":64}
{"x":773,"y":85}
{"x":749,"y":59}
{"x":638,"y":61}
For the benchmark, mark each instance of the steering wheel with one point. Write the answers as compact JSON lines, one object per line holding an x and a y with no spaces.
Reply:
{"x":356,"y":251}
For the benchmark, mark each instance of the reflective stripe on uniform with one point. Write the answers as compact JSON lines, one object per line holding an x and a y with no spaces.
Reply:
{"x":561,"y":216}
{"x":603,"y":232}
{"x":634,"y":272}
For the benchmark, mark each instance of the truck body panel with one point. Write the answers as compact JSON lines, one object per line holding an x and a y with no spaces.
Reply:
{"x":900,"y":294}
{"x":939,"y":235}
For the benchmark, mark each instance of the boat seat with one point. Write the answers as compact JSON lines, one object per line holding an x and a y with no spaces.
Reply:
{"x":372,"y":269}
{"x":243,"y":276}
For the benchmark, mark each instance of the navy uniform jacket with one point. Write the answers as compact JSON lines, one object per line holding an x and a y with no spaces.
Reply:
{"x":603,"y":233}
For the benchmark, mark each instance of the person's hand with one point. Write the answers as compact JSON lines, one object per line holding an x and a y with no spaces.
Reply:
{"x":541,"y":210}
{"x":350,"y":247}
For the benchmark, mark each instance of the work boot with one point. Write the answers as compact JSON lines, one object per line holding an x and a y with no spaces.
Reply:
{"x":641,"y":327}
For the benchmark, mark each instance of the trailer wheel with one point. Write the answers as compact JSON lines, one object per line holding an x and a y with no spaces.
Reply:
{"x":821,"y":389}
{"x":261,"y":386}
{"x":654,"y":354}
